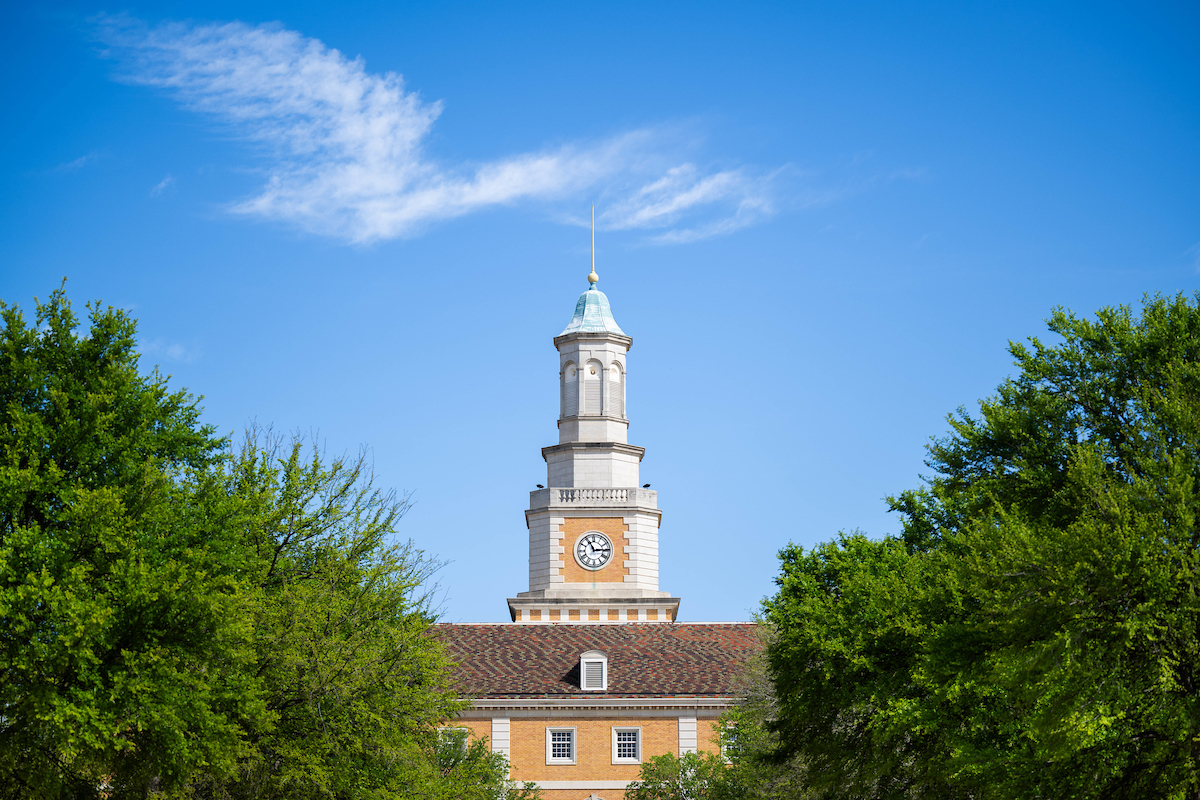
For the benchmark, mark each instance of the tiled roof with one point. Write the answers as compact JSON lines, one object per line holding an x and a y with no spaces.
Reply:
{"x":644,"y":659}
{"x":592,"y":315}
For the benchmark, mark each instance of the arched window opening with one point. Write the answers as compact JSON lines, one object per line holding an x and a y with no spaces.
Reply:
{"x":616,"y":391}
{"x":592,"y":385}
{"x":593,"y":671}
{"x":570,"y":403}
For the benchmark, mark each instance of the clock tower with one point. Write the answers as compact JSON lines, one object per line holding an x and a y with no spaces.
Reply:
{"x":593,"y":533}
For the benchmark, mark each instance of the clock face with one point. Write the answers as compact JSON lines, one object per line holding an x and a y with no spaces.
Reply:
{"x":593,"y":550}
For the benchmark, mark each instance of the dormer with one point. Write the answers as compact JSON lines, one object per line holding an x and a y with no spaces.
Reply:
{"x":593,"y":671}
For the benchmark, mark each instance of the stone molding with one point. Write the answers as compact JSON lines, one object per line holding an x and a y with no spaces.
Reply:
{"x":593,"y":336}
{"x":620,"y":447}
{"x":565,"y":708}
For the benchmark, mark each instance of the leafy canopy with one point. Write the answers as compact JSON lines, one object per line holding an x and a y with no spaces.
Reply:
{"x":124,"y":651}
{"x":184,"y":620}
{"x":1035,"y":630}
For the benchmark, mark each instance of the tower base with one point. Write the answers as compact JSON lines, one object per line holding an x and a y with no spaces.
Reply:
{"x":567,"y":610}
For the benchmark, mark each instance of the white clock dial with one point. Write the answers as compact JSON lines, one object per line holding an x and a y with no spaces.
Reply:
{"x":593,"y":550}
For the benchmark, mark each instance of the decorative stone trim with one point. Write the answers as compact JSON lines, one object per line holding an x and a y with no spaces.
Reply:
{"x":583,"y":784}
{"x":626,"y":707}
{"x":687,"y":735}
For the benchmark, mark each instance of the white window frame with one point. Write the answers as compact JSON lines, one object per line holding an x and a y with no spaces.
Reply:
{"x":550,"y":759}
{"x":591,"y":657}
{"x":626,"y":729}
{"x":727,"y":731}
{"x":460,"y":733}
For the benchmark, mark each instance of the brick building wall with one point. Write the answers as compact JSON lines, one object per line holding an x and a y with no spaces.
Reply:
{"x":594,"y":751}
{"x":672,"y":681}
{"x":612,"y":572}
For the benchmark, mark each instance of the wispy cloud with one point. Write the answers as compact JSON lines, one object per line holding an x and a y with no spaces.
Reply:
{"x":162,"y":186}
{"x":169,"y":351}
{"x":343,"y":147}
{"x":74,"y":164}
{"x":1194,"y":252}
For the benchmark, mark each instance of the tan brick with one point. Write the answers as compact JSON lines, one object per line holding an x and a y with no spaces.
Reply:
{"x":593,"y":750}
{"x":612,"y":572}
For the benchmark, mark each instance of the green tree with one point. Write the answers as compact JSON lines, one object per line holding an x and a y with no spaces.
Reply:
{"x":851,"y":617}
{"x":748,"y":744}
{"x":691,"y":776}
{"x":124,"y":642}
{"x":471,"y":770}
{"x":180,"y":620}
{"x":746,"y":768}
{"x":354,"y":686}
{"x":1034,"y":631}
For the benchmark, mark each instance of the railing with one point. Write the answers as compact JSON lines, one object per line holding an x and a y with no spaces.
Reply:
{"x":593,"y":495}
{"x":556,"y":497}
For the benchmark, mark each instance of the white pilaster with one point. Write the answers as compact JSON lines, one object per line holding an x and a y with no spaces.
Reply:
{"x":687,"y":735}
{"x":500,"y":736}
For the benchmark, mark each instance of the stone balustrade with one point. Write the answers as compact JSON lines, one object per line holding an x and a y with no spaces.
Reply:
{"x":594,"y":497}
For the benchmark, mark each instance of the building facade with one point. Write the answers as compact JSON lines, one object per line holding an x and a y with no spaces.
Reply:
{"x":595,"y":674}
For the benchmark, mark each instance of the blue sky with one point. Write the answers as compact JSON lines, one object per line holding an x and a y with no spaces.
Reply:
{"x":820,"y":223}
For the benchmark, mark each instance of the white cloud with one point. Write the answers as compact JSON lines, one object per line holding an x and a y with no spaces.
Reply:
{"x":343,"y":147}
{"x":169,"y":351}
{"x":162,"y":186}
{"x":78,"y":163}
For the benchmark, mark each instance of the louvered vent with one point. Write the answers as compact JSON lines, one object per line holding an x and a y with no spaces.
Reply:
{"x":571,"y":392}
{"x":616,"y":397}
{"x":592,"y":385}
{"x":593,"y":671}
{"x":593,"y":674}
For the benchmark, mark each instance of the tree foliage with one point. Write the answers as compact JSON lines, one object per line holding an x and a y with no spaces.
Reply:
{"x":182,"y":620}
{"x":125,"y":651}
{"x":691,"y":776}
{"x":746,"y":768}
{"x":352,"y":686}
{"x":1034,"y":630}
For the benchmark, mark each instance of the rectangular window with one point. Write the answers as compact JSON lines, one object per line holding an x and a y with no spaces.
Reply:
{"x":729,"y":741}
{"x":453,"y":741}
{"x":627,"y":745}
{"x":560,"y":745}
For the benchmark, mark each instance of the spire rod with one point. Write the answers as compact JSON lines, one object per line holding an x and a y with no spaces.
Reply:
{"x":593,"y":277}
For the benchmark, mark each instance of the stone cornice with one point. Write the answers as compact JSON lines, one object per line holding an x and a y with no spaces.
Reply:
{"x":484,"y":707}
{"x":591,"y":417}
{"x":598,"y":336}
{"x":620,"y":447}
{"x":612,"y":599}
{"x":593,"y":510}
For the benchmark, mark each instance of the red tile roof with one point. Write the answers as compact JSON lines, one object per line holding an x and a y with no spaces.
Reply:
{"x":644,"y":659}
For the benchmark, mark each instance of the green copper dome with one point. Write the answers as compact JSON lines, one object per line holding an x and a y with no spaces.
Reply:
{"x":592,"y":314}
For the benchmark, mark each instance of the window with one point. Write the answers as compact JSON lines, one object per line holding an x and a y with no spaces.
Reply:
{"x":560,"y":745}
{"x":729,"y":742}
{"x":616,"y":393}
{"x":452,"y":742}
{"x":570,"y":391}
{"x":592,"y":387}
{"x":626,"y":745}
{"x":593,"y":671}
